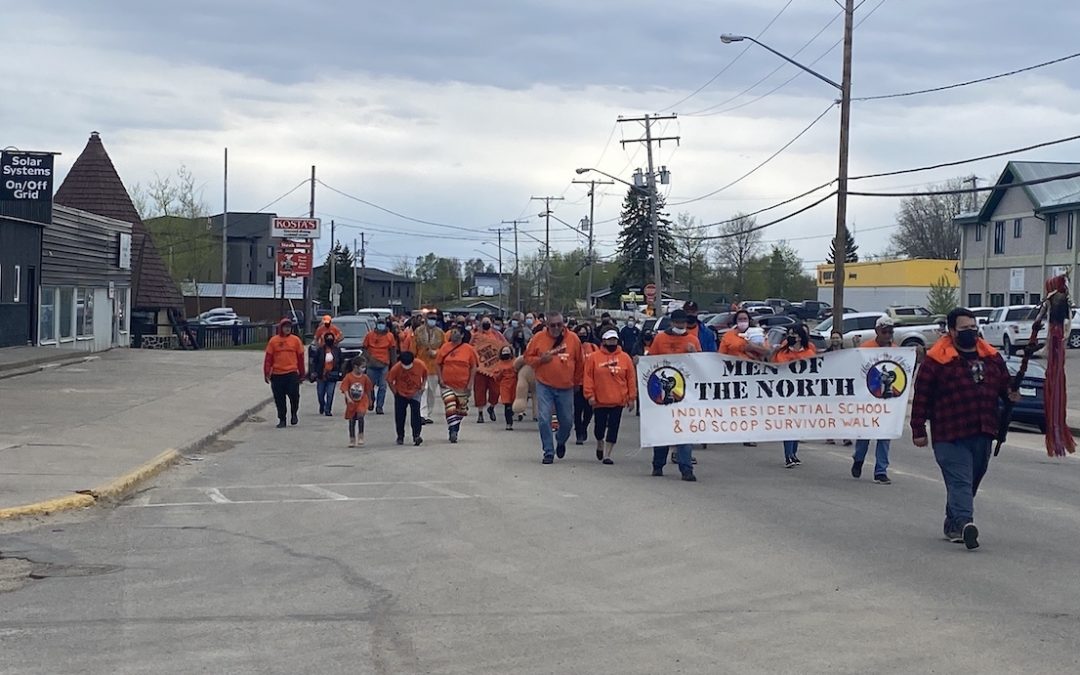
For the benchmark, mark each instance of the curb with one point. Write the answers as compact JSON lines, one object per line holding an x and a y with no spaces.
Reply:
{"x":120,"y":488}
{"x":32,"y":367}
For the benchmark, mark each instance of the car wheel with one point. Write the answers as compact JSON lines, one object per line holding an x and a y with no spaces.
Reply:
{"x":911,"y":342}
{"x":1074,"y":339}
{"x":1006,"y":346}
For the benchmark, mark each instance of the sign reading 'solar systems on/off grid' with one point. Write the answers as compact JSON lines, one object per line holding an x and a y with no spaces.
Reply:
{"x":709,"y":398}
{"x":26,"y":176}
{"x":295,"y":228}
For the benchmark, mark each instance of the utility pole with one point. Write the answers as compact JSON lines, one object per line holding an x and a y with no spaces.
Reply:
{"x":333,"y":267}
{"x":840,"y":240}
{"x":517,"y":265}
{"x":355,"y":251}
{"x":973,"y":203}
{"x":225,"y":231}
{"x":502,"y":284}
{"x":590,"y":260}
{"x":309,"y":302}
{"x":648,"y":120}
{"x":363,"y":265}
{"x":547,"y":248}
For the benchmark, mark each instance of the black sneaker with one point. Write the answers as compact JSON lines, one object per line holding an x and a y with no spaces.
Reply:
{"x":322,"y":410}
{"x":883,"y":479}
{"x":789,"y":463}
{"x":600,"y":454}
{"x":674,"y":458}
{"x":955,"y":537}
{"x":491,"y":413}
{"x":295,"y":420}
{"x":329,"y":414}
{"x":657,"y":472}
{"x":453,"y":435}
{"x":579,"y":441}
{"x":378,"y":411}
{"x":417,"y":441}
{"x":281,"y":424}
{"x":510,"y":426}
{"x":401,"y":440}
{"x":608,"y":460}
{"x":480,"y":418}
{"x":856,"y":468}
{"x":796,"y":460}
{"x":560,"y":450}
{"x":689,"y":477}
{"x":428,"y":420}
{"x":548,"y":459}
{"x":970,"y":535}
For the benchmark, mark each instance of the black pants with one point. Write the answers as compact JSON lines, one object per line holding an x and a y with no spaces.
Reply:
{"x":286,"y":385}
{"x":607,"y":423}
{"x":355,"y":424}
{"x":508,"y":411}
{"x":410,"y":405}
{"x":583,"y":413}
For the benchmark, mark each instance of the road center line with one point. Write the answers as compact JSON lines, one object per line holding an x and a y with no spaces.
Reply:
{"x":329,"y":494}
{"x":215,"y":496}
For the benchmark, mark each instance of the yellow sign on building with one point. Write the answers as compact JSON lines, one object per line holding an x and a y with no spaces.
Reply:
{"x":886,"y":273}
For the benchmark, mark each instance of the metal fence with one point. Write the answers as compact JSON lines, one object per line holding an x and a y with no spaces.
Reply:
{"x":199,"y":336}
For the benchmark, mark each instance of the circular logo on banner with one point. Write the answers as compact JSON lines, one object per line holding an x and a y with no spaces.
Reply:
{"x":886,"y":379}
{"x":667,"y":385}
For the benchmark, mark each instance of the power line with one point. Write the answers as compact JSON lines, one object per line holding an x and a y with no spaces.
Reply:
{"x":731,"y":62}
{"x":765,"y":225}
{"x":395,"y":213}
{"x":762,"y":164}
{"x":991,"y":188}
{"x":969,"y":82}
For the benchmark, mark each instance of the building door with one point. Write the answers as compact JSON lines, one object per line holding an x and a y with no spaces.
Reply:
{"x":31,"y":295}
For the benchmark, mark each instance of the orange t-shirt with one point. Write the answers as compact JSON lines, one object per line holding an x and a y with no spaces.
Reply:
{"x":666,"y":343}
{"x":357,"y":390}
{"x":322,"y":330}
{"x":507,"y":377}
{"x":872,"y":344}
{"x":407,"y":382}
{"x":610,"y":379}
{"x":284,"y":354}
{"x":457,"y":363}
{"x":785,"y":355}
{"x":566,"y":369}
{"x":734,"y":345}
{"x":408,"y":342}
{"x":377,"y":347}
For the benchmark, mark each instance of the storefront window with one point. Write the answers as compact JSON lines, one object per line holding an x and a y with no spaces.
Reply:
{"x":66,"y":311}
{"x":47,"y":328}
{"x":84,"y":312}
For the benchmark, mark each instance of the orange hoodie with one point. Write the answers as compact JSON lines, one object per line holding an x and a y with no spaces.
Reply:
{"x":610,"y":379}
{"x":566,"y":369}
{"x":284,"y":354}
{"x":944,"y":351}
{"x":407,"y":382}
{"x":668,"y":343}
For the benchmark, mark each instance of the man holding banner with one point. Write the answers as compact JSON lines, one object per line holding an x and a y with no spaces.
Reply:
{"x":884,"y":329}
{"x":957,"y":391}
{"x":674,"y":340}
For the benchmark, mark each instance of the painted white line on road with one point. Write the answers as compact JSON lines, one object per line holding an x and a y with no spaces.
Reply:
{"x":289,"y":501}
{"x":289,"y":485}
{"x":908,"y":474}
{"x":215,"y":496}
{"x":329,"y":494}
{"x":444,"y":491}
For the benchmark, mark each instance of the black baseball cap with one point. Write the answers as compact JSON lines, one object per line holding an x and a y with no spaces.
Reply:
{"x":690,"y":306}
{"x":679,"y":315}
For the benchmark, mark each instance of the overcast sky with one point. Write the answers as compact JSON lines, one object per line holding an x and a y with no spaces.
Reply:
{"x":458,"y":112}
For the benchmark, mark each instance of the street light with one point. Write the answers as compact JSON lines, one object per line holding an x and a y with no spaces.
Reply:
{"x":554,"y":217}
{"x":636,"y":188}
{"x":845,"y":131}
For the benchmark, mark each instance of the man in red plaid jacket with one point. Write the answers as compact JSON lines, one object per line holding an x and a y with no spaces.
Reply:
{"x":957,"y":391}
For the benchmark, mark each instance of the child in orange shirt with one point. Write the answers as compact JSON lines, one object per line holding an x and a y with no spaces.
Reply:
{"x":506,"y":377}
{"x":357,"y":388}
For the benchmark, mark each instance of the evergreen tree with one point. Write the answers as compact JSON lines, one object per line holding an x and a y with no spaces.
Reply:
{"x":851,"y":249}
{"x":942,"y":298}
{"x":635,"y":245}
{"x":343,"y":274}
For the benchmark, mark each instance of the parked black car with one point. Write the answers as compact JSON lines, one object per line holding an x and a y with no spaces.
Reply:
{"x":1031,"y":408}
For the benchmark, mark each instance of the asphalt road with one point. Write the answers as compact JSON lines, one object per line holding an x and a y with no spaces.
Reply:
{"x":287,"y":552}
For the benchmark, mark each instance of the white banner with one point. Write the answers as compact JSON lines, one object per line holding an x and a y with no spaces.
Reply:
{"x":709,"y":398}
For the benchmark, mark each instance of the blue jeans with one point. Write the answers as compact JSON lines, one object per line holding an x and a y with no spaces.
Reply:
{"x":559,"y":402}
{"x":682,"y":456}
{"x":378,"y":381}
{"x":963,"y":464}
{"x":325,"y":390}
{"x":791,"y":448}
{"x":881,"y":455}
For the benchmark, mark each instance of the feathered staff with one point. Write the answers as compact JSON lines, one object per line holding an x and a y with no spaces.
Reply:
{"x":1056,"y":310}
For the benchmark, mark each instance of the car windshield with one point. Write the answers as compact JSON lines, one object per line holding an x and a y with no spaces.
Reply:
{"x":1019,"y":314}
{"x":824,"y":326}
{"x":353,"y":329}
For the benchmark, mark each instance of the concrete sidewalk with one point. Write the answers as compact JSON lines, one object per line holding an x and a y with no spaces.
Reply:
{"x":76,"y":428}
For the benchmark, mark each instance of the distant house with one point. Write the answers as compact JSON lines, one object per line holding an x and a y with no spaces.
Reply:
{"x":489,"y":285}
{"x":1021,"y":236}
{"x":377,"y":288}
{"x":251,"y":248}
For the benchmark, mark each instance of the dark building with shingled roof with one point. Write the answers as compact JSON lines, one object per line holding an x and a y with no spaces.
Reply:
{"x":93,"y":185}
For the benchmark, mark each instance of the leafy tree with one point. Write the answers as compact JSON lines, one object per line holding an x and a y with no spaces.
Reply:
{"x":175,"y":213}
{"x":634,"y":251}
{"x":342,"y":258}
{"x":691,"y":263}
{"x":924,"y":224}
{"x":943,"y":296}
{"x":851,"y":249}
{"x":739,"y":244}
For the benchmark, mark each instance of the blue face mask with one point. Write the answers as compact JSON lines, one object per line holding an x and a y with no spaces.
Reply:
{"x":380,"y":327}
{"x":514,"y":323}
{"x":431,"y":323}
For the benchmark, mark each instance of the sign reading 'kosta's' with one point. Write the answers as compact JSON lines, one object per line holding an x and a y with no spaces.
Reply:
{"x":26,"y":176}
{"x":295,"y":228}
{"x":710,"y":398}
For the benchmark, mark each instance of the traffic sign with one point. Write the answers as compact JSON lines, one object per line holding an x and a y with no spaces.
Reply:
{"x":295,"y":228}
{"x":295,"y":258}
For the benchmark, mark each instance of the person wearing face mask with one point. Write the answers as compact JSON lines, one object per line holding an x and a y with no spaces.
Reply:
{"x":407,"y":379}
{"x":456,"y":364}
{"x":506,"y":378}
{"x":675,"y":340}
{"x":630,"y":337}
{"x":380,"y":350}
{"x":515,"y":334}
{"x":486,"y":341}
{"x":324,"y":366}
{"x":957,"y":390}
{"x":427,"y":338}
{"x":583,"y":412}
{"x":703,"y":333}
{"x":610,"y":385}
{"x":555,"y":357}
{"x":734,"y":344}
{"x":884,"y":329}
{"x":357,"y":388}
{"x":795,"y":347}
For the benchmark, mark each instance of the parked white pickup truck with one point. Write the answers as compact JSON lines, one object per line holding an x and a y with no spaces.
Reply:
{"x":1010,"y":327}
{"x":859,"y":327}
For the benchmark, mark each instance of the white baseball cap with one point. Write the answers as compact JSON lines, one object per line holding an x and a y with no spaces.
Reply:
{"x":610,"y":334}
{"x":884,"y":322}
